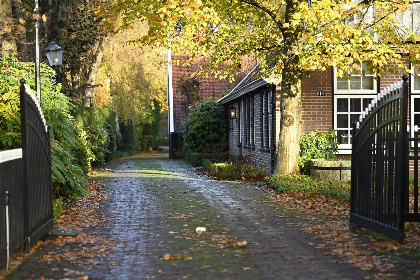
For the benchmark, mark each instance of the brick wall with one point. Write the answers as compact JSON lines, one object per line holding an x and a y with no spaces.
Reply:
{"x":259,"y":156}
{"x":388,"y":78}
{"x":316,"y":110}
{"x":210,"y":88}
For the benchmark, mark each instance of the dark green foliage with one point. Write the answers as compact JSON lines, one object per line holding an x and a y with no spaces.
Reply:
{"x":146,"y":143}
{"x":103,"y":120}
{"x":197,"y":159}
{"x":127,"y":145}
{"x":206,"y":129}
{"x":98,"y":141}
{"x":112,"y":143}
{"x":304,"y":183}
{"x":149,"y":128}
{"x":69,"y":156}
{"x":316,"y":145}
{"x":189,"y":87}
{"x":240,"y":169}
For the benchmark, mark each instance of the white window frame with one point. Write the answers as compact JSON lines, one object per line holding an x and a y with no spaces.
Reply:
{"x":412,"y":113}
{"x":412,"y":77}
{"x":349,"y":93}
{"x":354,"y":91}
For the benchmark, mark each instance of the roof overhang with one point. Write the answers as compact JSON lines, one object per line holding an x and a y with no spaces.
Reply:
{"x":248,"y":88}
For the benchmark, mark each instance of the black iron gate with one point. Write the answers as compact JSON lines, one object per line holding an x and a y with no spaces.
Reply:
{"x":380,"y":164}
{"x":36,"y":154}
{"x":26,"y":179}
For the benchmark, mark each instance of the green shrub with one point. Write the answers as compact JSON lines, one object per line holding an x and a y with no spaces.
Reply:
{"x":206,"y":129}
{"x":316,"y":145}
{"x":239,"y":170}
{"x":127,"y":145}
{"x":99,"y":118}
{"x":57,"y":208}
{"x":146,"y":143}
{"x":98,"y":140}
{"x":112,"y":143}
{"x":304,"y":183}
{"x":69,"y":154}
{"x":197,"y":159}
{"x":207,"y":165}
{"x":162,"y":141}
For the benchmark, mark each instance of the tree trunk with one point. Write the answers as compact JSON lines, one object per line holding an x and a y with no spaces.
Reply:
{"x":291,"y":105}
{"x":291,"y":93}
{"x":7,"y":40}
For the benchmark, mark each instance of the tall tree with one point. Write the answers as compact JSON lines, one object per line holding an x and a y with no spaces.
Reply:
{"x":301,"y":35}
{"x":134,"y":77}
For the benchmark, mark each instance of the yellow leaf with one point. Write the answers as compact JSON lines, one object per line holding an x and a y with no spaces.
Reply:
{"x":167,"y":257}
{"x":286,"y":25}
{"x":22,"y":21}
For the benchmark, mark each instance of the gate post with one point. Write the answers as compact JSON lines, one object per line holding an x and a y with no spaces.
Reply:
{"x":404,"y":166}
{"x":25,"y":193}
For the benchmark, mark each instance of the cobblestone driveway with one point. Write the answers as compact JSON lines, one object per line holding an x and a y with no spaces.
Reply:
{"x":154,"y":209}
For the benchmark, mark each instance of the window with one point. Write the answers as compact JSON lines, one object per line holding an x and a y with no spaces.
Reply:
{"x":351,"y":97}
{"x":249,"y":122}
{"x":361,"y":82}
{"x":239,"y":123}
{"x":348,"y":109}
{"x":415,"y":80}
{"x":415,"y":100}
{"x":265,"y":121}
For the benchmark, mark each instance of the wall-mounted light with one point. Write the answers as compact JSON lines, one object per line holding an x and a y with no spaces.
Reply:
{"x":233,"y":113}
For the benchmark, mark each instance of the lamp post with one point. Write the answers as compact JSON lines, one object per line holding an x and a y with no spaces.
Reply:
{"x":55,"y":57}
{"x":89,"y":95}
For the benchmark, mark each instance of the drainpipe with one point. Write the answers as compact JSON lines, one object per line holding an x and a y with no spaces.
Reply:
{"x":170,"y":98}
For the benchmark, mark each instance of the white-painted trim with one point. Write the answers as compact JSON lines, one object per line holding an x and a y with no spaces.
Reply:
{"x":170,"y":93}
{"x":412,"y":77}
{"x":343,"y":152}
{"x":354,"y":91}
{"x":10,"y":155}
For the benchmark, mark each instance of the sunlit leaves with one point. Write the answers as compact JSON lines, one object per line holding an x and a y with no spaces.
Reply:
{"x":325,"y":33}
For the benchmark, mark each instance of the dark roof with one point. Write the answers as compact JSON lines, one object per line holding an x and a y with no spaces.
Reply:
{"x":251,"y":82}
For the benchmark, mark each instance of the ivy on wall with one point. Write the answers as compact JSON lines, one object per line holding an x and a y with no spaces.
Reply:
{"x":190,"y":88}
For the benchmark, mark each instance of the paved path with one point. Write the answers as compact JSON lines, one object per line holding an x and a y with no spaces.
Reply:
{"x":154,"y":209}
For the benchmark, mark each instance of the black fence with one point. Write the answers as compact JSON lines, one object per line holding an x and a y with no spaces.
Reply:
{"x":381,"y":155}
{"x":25,"y":182}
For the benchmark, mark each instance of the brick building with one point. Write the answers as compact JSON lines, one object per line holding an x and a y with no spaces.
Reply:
{"x":207,"y":88}
{"x":327,"y":102}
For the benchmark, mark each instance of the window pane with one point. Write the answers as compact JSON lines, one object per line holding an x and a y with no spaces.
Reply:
{"x":342,"y":105}
{"x":365,"y":70}
{"x":416,"y":83}
{"x":366,"y":102}
{"x":355,"y":82}
{"x":367,"y":82}
{"x":355,"y":105}
{"x":342,"y":121}
{"x":354,"y":117}
{"x":417,"y":120}
{"x":342,"y":137}
{"x":416,"y":105}
{"x":342,"y":83}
